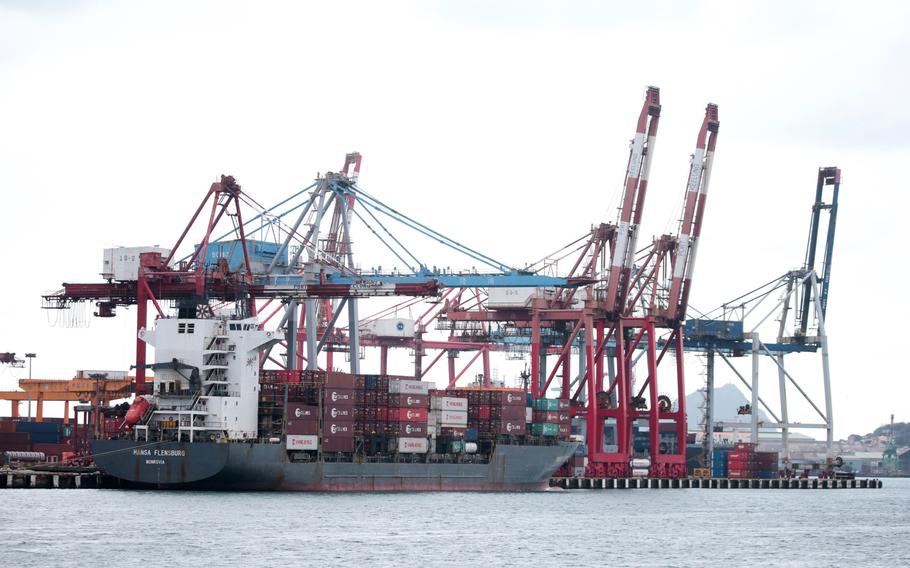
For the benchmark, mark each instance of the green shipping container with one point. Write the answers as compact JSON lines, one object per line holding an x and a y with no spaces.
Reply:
{"x":457,"y":446}
{"x":545,"y":429}
{"x":546,"y":404}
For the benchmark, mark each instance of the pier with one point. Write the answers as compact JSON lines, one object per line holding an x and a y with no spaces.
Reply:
{"x":714,"y":483}
{"x":38,"y":479}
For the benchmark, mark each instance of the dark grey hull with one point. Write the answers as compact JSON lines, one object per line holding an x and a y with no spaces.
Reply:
{"x":266,"y":467}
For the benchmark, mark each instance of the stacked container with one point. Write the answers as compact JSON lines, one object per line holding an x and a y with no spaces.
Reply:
{"x":449,"y":421}
{"x":719,"y":462}
{"x":767,"y":465}
{"x":551,"y":418}
{"x":407,"y":416}
{"x":497,"y":413}
{"x":338,"y":401}
{"x":741,"y":461}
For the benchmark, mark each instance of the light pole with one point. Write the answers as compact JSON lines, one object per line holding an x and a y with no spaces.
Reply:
{"x":30,"y":356}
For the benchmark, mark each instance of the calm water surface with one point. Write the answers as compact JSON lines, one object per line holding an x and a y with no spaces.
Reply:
{"x":571,"y":528}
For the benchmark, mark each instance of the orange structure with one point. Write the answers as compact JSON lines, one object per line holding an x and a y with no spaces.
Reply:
{"x":97,"y":390}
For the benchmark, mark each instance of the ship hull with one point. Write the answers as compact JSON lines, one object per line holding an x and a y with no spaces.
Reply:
{"x":266,"y":467}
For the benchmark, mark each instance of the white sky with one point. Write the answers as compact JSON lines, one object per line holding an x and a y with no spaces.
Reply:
{"x":502,"y":124}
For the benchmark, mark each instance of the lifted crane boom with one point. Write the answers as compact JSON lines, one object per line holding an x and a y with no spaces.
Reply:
{"x":693,"y":212}
{"x":637,"y":170}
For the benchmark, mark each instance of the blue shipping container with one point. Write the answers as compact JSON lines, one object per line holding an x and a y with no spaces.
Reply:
{"x":30,"y":426}
{"x":470,"y":435}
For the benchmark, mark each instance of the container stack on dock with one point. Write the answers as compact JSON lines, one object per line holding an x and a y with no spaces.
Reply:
{"x":767,"y":465}
{"x":50,"y":437}
{"x":719,"y":462}
{"x":741,"y":461}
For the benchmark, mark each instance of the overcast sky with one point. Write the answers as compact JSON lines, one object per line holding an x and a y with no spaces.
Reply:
{"x":503,"y":124}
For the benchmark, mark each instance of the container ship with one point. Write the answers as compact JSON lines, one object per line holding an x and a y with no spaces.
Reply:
{"x":214,"y":420}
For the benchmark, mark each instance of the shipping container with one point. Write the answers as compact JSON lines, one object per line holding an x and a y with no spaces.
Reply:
{"x":411,"y":429}
{"x":302,"y":427}
{"x":452,"y":432}
{"x":338,"y":444}
{"x":546,"y":404}
{"x":31,"y":426}
{"x":449,"y":403}
{"x":529,"y":414}
{"x":413,"y":445}
{"x":409,"y":400}
{"x":335,"y":412}
{"x":408,"y":414}
{"x":341,"y":380}
{"x":303,"y":412}
{"x":402,"y":386}
{"x":546,"y":429}
{"x":508,"y":398}
{"x":511,"y":427}
{"x":303,"y":442}
{"x":337,"y":429}
{"x":470,"y":434}
{"x":338,"y":396}
{"x":455,"y":418}
{"x":507,"y":412}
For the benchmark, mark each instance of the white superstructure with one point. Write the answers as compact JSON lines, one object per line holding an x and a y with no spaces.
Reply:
{"x":207,"y":375}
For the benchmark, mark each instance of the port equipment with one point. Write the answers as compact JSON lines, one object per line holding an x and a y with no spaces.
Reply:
{"x":209,"y":278}
{"x":618,"y":304}
{"x":633,"y":310}
{"x":733,"y":330}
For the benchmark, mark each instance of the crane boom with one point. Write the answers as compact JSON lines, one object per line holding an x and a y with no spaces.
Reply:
{"x":641,"y":153}
{"x":693,"y":212}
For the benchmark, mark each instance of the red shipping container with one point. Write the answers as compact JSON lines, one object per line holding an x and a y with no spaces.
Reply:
{"x":333,"y":429}
{"x":408,"y":414}
{"x":738,"y":474}
{"x":508,"y":412}
{"x":511,"y":427}
{"x":483,"y":412}
{"x":565,"y":430}
{"x":407,"y":429}
{"x":338,"y":444}
{"x":740,"y":456}
{"x":409,"y":401}
{"x":509,"y":398}
{"x":551,"y":416}
{"x":338,"y":397}
{"x":453,"y":433}
{"x":745,"y":446}
{"x":7,"y":426}
{"x":562,"y":403}
{"x":297,"y":427}
{"x":341,"y":381}
{"x":335,"y":412}
{"x":302,"y":411}
{"x":382,"y":413}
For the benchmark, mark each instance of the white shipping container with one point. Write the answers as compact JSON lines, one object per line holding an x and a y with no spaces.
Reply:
{"x":529,"y":414}
{"x":515,"y":297}
{"x":639,"y":473}
{"x":122,"y":263}
{"x":641,"y":463}
{"x":413,"y":445}
{"x":392,"y":327}
{"x":449,"y":403}
{"x":402,"y":386}
{"x":431,"y":430}
{"x":298,"y":442}
{"x":449,"y":418}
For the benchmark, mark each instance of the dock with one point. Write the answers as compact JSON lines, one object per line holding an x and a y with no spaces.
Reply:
{"x":713,"y":483}
{"x":77,"y":478}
